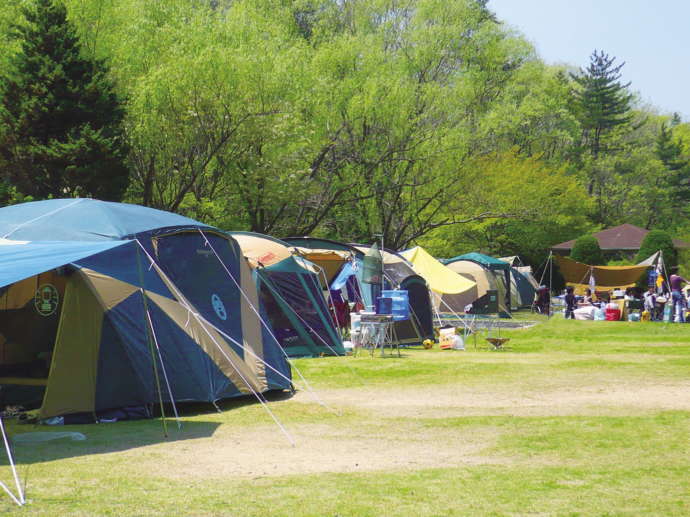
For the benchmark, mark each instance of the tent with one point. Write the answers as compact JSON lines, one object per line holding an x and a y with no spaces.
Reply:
{"x":525,"y":271}
{"x":498,"y":267}
{"x":441,"y":280}
{"x":291,"y":295}
{"x":399,"y":274}
{"x":487,"y":296}
{"x":107,"y":305}
{"x":341,"y":266}
{"x":523,"y":285}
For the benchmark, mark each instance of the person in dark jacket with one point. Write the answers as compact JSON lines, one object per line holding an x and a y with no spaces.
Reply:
{"x":570,"y":303}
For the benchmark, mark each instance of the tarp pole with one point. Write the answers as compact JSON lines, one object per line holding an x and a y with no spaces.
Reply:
{"x":148,"y":336}
{"x":256,"y":394}
{"x":20,"y":501}
{"x":550,"y":280}
{"x":165,"y":374}
{"x":268,"y":328}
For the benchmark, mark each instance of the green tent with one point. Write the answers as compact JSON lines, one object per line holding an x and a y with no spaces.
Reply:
{"x":291,"y":297}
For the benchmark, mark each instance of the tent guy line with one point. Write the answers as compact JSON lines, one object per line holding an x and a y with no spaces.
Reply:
{"x":199,"y":318}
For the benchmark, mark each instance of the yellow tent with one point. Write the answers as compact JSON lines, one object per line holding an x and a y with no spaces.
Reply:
{"x":441,"y":279}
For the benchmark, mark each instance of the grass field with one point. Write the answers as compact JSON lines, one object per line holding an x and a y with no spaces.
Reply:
{"x":577,"y":418}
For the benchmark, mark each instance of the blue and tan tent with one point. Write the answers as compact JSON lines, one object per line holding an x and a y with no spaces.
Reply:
{"x":105,"y":305}
{"x":291,"y":295}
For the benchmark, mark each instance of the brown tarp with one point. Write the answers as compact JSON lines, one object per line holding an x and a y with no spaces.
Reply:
{"x":606,"y":277}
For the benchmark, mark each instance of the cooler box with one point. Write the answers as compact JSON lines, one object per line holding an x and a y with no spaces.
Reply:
{"x":400,"y":304}
{"x":613,"y":314}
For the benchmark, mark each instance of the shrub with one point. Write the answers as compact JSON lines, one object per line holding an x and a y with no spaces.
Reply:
{"x":586,"y":250}
{"x":658,"y":240}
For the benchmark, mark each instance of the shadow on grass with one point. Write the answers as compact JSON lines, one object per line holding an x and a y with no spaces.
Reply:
{"x":124,"y":435}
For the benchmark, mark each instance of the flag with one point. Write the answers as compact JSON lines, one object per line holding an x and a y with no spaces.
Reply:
{"x":592,"y":283}
{"x":372,"y":272}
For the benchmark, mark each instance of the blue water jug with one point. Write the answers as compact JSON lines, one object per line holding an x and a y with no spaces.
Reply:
{"x":400,"y":304}
{"x":384,"y":305}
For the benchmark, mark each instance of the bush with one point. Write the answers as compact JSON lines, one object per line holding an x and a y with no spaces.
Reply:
{"x":586,"y":250}
{"x":658,"y":240}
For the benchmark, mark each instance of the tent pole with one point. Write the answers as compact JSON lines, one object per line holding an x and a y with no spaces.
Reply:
{"x":165,"y":374}
{"x":148,"y":338}
{"x":270,"y":331}
{"x":20,"y":501}
{"x":203,"y":324}
{"x":550,"y":279}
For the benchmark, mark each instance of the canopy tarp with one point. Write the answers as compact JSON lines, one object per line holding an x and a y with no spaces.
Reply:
{"x":23,"y":259}
{"x":84,"y":219}
{"x":605,"y":277}
{"x":440,"y":279}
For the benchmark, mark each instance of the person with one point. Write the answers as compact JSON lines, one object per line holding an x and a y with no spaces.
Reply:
{"x":628,"y":294}
{"x":677,"y":299}
{"x":543,"y":301}
{"x":650,"y":302}
{"x":587,"y":298}
{"x":570,"y":303}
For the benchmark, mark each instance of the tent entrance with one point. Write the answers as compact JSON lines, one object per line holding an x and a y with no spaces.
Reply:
{"x":30,"y":312}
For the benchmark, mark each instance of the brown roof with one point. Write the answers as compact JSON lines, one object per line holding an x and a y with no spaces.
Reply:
{"x":623,"y":237}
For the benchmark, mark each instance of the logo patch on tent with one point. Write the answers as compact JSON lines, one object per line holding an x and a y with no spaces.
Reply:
{"x":219,"y":307}
{"x":46,"y":299}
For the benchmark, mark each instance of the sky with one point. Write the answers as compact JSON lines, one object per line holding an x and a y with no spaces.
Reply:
{"x":651,"y":36}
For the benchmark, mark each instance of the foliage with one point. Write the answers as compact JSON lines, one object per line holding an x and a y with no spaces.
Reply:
{"x":658,"y":240}
{"x":587,"y":251}
{"x":602,"y":106}
{"x":535,"y":218}
{"x":62,"y":133}
{"x":428,"y":121}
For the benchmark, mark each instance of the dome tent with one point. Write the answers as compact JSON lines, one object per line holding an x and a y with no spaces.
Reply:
{"x":488,"y":292}
{"x":149,"y":305}
{"x":291,"y":295}
{"x":442,"y":281}
{"x":500,"y":269}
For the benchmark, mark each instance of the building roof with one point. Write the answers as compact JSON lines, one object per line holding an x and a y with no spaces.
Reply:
{"x":623,"y":237}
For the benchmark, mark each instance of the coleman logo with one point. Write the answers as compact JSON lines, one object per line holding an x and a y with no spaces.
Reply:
{"x":46,"y":299}
{"x":219,"y":307}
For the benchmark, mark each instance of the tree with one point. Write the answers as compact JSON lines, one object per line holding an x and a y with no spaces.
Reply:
{"x":601,"y":102}
{"x":676,"y":177}
{"x":658,"y":240}
{"x":62,"y":121}
{"x":602,"y":105}
{"x":587,"y":251}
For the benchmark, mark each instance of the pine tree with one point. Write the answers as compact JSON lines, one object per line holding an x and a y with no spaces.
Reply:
{"x":601,"y":103}
{"x":677,"y":174}
{"x":63,"y":131}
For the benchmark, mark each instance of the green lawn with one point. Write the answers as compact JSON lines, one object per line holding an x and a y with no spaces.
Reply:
{"x":576,"y":418}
